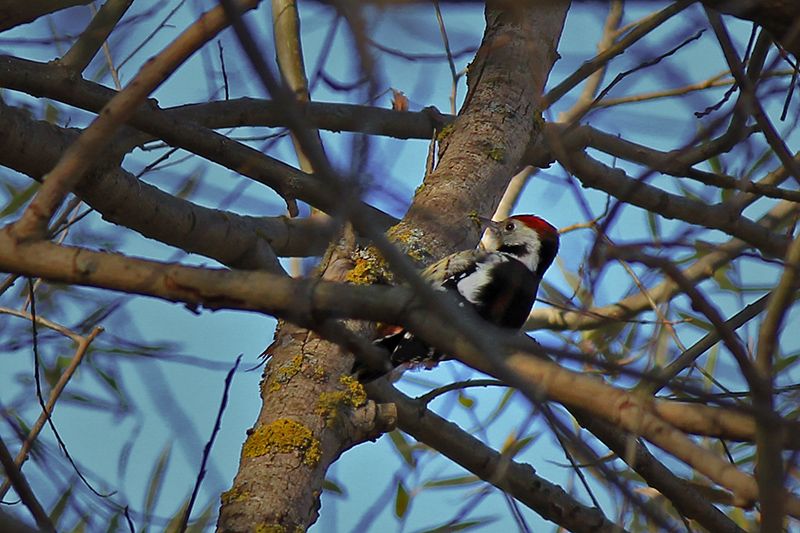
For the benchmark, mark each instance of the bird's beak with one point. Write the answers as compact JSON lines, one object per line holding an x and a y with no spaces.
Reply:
{"x":485,"y":222}
{"x":491,"y":237}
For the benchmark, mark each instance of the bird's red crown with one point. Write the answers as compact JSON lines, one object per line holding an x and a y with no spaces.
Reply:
{"x":538,"y":224}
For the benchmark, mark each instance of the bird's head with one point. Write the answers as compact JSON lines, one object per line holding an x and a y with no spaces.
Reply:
{"x":529,"y":238}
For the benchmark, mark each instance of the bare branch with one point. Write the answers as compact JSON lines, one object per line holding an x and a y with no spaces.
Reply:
{"x":23,"y":489}
{"x":770,"y":470}
{"x":287,"y":181}
{"x":79,"y":156}
{"x":749,"y":99}
{"x":519,"y":479}
{"x":781,"y":19}
{"x":235,"y":240}
{"x":16,"y":12}
{"x":680,"y":493}
{"x":83,"y":344}
{"x":647,"y":25}
{"x":91,"y":40}
{"x":616,"y":182}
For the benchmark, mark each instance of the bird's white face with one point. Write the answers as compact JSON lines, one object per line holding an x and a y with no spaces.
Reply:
{"x":521,"y":236}
{"x":512,"y":233}
{"x":523,"y":240}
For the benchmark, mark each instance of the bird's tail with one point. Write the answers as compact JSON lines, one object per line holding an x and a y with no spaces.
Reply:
{"x":404,"y":349}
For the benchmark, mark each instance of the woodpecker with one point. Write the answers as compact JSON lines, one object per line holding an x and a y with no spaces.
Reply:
{"x":499,"y":280}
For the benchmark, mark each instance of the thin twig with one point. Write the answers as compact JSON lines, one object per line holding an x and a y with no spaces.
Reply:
{"x":446,"y":42}
{"x":207,"y":448}
{"x":428,"y":397}
{"x":749,"y":93}
{"x":69,"y":371}
{"x":660,"y":378}
{"x":644,"y":27}
{"x":39,"y":395}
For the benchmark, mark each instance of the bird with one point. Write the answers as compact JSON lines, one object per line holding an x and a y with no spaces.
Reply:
{"x":499,"y":280}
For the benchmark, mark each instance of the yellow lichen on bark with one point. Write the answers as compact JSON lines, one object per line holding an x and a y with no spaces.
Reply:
{"x":444,"y":132}
{"x":409,"y":240}
{"x":356,"y":395}
{"x":283,"y":436}
{"x":236,"y":494}
{"x":276,"y":528}
{"x":272,"y":528}
{"x":497,"y":153}
{"x":286,"y":372}
{"x":370,"y":267}
{"x":353,"y":395}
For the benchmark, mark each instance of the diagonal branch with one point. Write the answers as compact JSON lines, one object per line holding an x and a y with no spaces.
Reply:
{"x":519,"y":480}
{"x":79,"y":156}
{"x":235,"y":240}
{"x":287,"y":181}
{"x":625,"y":309}
{"x":617,"y":183}
{"x":16,"y":12}
{"x":23,"y":489}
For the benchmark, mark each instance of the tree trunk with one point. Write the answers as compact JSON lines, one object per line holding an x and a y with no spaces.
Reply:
{"x":312,"y":409}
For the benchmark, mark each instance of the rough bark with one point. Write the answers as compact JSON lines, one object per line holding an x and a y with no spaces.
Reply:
{"x":306,"y":392}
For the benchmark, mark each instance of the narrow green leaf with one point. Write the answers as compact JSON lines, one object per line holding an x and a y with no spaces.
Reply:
{"x":695,"y":321}
{"x":51,"y":113}
{"x":716,"y":164}
{"x":331,"y":486}
{"x":111,"y":382}
{"x":721,"y":277}
{"x":80,"y":527}
{"x":401,"y":500}
{"x":19,"y":200}
{"x":58,"y":509}
{"x":403,"y":447}
{"x":113,"y":524}
{"x":156,"y":481}
{"x":77,"y":397}
{"x":198,"y":525}
{"x":501,"y":407}
{"x":513,"y":448}
{"x":450,"y":482}
{"x":190,"y":184}
{"x":726,"y":194}
{"x":785,"y":362}
{"x":653,"y":225}
{"x":203,"y":522}
{"x":173,"y":526}
{"x":465,"y":400}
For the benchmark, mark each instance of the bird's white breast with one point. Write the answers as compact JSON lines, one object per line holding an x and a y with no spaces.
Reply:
{"x":470,"y":285}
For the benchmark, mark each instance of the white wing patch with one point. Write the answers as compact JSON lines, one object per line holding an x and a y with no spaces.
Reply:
{"x":471,"y":284}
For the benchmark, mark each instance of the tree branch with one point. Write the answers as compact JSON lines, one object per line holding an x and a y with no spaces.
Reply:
{"x":290,"y":183}
{"x":234,"y":240}
{"x":625,"y":309}
{"x":780,"y":18}
{"x":16,"y":12}
{"x":23,"y":489}
{"x":616,"y":182}
{"x":518,"y":479}
{"x":78,"y":158}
